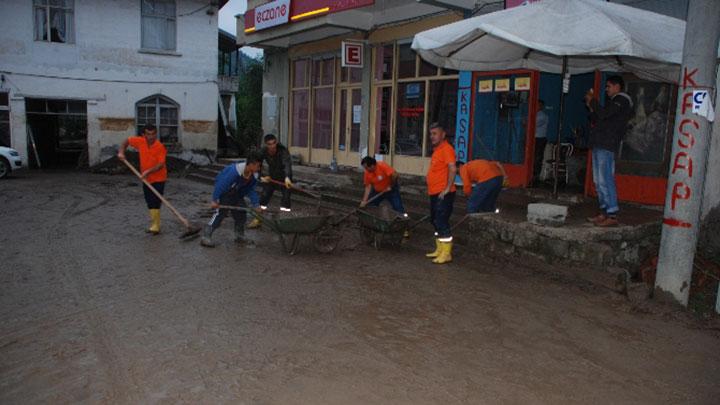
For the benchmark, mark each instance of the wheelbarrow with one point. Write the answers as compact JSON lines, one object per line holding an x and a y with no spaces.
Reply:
{"x":378,"y":230}
{"x":290,"y":229}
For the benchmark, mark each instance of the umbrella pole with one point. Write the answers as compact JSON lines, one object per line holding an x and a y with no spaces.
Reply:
{"x":558,"y":150}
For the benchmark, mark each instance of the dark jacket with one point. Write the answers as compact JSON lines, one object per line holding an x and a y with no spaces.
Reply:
{"x":280,"y":164}
{"x":610,"y":122}
{"x":231,"y":179}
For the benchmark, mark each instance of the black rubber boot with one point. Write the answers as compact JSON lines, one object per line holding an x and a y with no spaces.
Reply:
{"x":240,"y":236}
{"x":206,"y":239}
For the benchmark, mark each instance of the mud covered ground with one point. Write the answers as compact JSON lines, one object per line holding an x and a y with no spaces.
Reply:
{"x":94,"y":310}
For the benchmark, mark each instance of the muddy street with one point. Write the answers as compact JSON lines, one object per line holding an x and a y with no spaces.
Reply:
{"x":94,"y":310}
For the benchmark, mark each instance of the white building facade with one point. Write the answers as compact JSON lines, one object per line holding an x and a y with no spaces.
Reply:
{"x":79,"y":76}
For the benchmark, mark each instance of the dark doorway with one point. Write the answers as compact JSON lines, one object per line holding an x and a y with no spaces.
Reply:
{"x":57,"y":132}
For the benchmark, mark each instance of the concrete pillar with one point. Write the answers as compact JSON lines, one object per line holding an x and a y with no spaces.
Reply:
{"x":276,"y":87}
{"x":366,"y":91}
{"x":686,"y":179}
{"x":18,"y":128}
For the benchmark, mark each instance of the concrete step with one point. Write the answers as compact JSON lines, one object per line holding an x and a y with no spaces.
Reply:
{"x":200,"y":178}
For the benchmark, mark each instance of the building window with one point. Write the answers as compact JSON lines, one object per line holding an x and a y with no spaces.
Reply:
{"x":442,"y":107}
{"x":161,"y":112}
{"x":300,"y":97}
{"x":229,"y":63}
{"x":158,"y":24}
{"x":4,"y":119}
{"x":410,"y":129}
{"x":323,"y":79}
{"x":53,"y":20}
{"x":316,"y":78}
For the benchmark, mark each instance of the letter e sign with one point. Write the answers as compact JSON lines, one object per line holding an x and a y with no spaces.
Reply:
{"x":352,"y":54}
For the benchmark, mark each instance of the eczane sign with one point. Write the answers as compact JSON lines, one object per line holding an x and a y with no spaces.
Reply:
{"x":271,"y":14}
{"x":352,"y":54}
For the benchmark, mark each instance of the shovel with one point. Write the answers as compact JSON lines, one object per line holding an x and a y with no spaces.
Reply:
{"x":190,"y":229}
{"x":346,"y":216}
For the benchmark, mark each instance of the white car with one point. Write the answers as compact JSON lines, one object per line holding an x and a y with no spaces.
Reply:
{"x":9,"y":161}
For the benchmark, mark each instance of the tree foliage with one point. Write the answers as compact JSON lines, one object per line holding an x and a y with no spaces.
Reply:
{"x":249,"y":107}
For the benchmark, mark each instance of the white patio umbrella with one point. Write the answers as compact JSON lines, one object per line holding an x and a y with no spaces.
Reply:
{"x":593,"y":34}
{"x":560,"y":36}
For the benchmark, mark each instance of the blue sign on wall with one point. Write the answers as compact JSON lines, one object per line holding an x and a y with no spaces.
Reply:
{"x":462,"y":125}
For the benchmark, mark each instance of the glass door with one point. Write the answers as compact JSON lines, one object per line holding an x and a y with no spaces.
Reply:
{"x":347,"y":141}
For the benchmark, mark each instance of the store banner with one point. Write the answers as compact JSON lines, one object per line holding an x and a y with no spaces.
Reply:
{"x":272,"y":14}
{"x":462,"y":124}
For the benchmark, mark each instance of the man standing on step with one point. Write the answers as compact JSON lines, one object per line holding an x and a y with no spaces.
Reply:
{"x":609,"y":126}
{"x":279,"y":162}
{"x":235,"y":182}
{"x":152,"y":168}
{"x":441,"y":189}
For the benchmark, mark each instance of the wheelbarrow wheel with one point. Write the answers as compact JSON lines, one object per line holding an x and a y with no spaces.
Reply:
{"x":326,"y":241}
{"x":368,"y":235}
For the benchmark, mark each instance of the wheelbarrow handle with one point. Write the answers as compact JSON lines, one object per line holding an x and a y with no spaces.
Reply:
{"x":302,"y":190}
{"x":418,"y":222}
{"x":348,"y":214}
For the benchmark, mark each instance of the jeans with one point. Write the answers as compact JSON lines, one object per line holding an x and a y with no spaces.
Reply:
{"x":603,"y":166}
{"x":485,"y":195}
{"x":393,"y":196}
{"x":440,"y":212}
{"x":268,"y":189}
{"x":152,"y":201}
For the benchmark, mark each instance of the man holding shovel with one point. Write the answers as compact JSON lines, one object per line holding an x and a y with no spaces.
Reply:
{"x":381,"y":183}
{"x":152,"y":168}
{"x":279,"y":161}
{"x":441,"y":189}
{"x":235,"y":182}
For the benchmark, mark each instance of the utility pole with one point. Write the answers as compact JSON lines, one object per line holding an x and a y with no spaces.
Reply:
{"x":690,"y":147}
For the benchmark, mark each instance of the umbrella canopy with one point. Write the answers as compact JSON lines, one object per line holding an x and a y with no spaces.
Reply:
{"x":592,"y":34}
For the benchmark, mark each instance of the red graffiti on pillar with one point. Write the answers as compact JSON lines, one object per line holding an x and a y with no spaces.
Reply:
{"x":687,"y":133}
{"x":687,"y":78}
{"x":676,"y":193}
{"x":687,"y":165}
{"x":686,"y":103}
{"x":676,"y":223}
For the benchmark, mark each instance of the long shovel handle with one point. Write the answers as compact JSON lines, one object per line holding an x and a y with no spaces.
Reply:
{"x":160,"y":196}
{"x":302,"y":190}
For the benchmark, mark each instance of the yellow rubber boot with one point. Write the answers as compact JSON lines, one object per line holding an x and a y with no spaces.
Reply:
{"x":255,"y":223}
{"x":436,"y":253}
{"x":445,"y":253}
{"x":154,"y":221}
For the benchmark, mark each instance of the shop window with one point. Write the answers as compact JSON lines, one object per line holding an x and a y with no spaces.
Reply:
{"x":158,"y":24}
{"x":328,"y":72}
{"x":407,"y":62}
{"x":383,"y":113}
{"x":4,"y":119}
{"x":322,"y":118}
{"x":442,"y":106}
{"x":300,"y":115}
{"x":384,"y":62}
{"x":410,"y":118}
{"x":300,"y":73}
{"x":427,"y":68}
{"x":161,"y":112}
{"x":54,"y":20}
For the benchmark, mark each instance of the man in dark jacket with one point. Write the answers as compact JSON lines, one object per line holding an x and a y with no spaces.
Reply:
{"x":235,"y":182}
{"x":279,"y":161}
{"x":609,"y":124}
